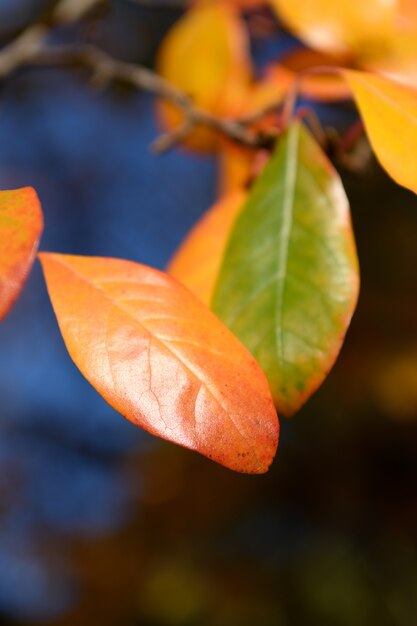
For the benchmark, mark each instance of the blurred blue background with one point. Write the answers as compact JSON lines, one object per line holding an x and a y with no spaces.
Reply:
{"x":100,"y":523}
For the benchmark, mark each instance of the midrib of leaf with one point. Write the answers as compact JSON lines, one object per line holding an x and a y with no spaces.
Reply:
{"x":195,"y":372}
{"x":290,"y":177}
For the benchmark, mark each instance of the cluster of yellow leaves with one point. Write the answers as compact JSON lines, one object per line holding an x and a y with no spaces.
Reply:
{"x":206,"y":55}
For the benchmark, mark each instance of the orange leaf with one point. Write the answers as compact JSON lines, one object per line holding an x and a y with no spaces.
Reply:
{"x":20,"y":229}
{"x":339,"y":27}
{"x":162,"y":359}
{"x":389,"y":111}
{"x":206,"y":56}
{"x":235,"y":167}
{"x":197,"y":261}
{"x":321,"y":86}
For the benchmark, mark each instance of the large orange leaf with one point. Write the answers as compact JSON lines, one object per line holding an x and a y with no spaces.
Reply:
{"x":162,"y":359}
{"x":331,"y":26}
{"x":198,"y":260}
{"x":389,"y":111}
{"x":206,"y":56}
{"x":20,"y":229}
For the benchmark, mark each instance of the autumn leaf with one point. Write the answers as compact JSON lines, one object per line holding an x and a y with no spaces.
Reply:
{"x":389,"y":112}
{"x":20,"y":230}
{"x":235,"y":166}
{"x":162,"y":359}
{"x":206,"y":56}
{"x":339,"y":27}
{"x":198,"y":260}
{"x":288,"y":284}
{"x":397,"y":61}
{"x":321,"y":86}
{"x":398,"y":57}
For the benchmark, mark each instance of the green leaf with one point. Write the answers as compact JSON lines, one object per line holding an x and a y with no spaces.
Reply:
{"x":289,"y":280}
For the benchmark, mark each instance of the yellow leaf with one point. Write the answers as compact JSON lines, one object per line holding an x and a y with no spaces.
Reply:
{"x":338,"y":27}
{"x":206,"y":56}
{"x":389,"y":112}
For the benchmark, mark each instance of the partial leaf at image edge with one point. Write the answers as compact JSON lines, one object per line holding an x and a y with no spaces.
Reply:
{"x":162,"y":359}
{"x":289,"y":280}
{"x":389,"y":112}
{"x":21,"y":224}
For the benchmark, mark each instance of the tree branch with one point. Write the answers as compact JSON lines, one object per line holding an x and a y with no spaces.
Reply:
{"x":32,"y":40}
{"x":106,"y":68}
{"x":31,"y":47}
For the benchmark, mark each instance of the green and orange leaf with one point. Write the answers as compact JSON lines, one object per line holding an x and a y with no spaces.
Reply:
{"x":289,"y":281}
{"x":21,"y":226}
{"x":162,"y":359}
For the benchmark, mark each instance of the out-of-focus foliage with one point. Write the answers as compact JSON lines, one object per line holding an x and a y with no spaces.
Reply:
{"x":206,"y":55}
{"x":339,"y":27}
{"x":389,"y":111}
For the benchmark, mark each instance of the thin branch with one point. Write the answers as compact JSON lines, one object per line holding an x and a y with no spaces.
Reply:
{"x":31,"y":47}
{"x":32,"y":40}
{"x":22,"y":49}
{"x":106,"y":68}
{"x":67,"y":11}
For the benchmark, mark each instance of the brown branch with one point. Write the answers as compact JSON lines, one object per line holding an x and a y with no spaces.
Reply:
{"x":32,"y":40}
{"x":22,"y":49}
{"x":30,"y":47}
{"x":106,"y":68}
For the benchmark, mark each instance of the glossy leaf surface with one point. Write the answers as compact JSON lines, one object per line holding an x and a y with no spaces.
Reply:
{"x":162,"y":359}
{"x":289,"y":280}
{"x":389,"y":111}
{"x":198,"y":260}
{"x":20,"y":229}
{"x":339,"y":26}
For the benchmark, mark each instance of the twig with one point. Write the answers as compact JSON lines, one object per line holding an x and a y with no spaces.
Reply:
{"x":67,"y":11}
{"x":107,"y":68}
{"x":32,"y":40}
{"x":31,"y":47}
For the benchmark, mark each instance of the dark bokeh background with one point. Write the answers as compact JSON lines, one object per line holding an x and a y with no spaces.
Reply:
{"x":102,"y":524}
